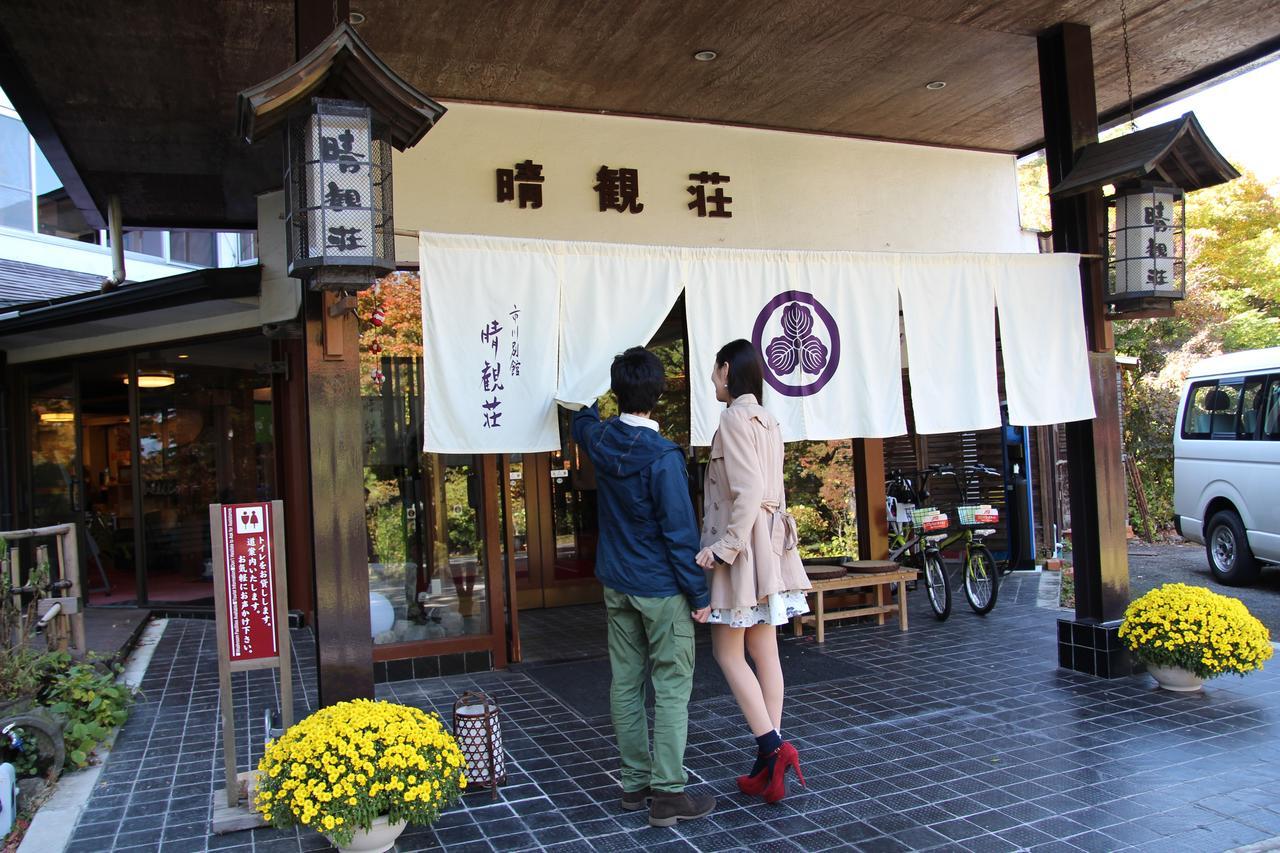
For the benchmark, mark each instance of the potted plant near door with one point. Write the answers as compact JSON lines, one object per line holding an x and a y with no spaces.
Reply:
{"x":358,"y":772}
{"x":1185,"y":634}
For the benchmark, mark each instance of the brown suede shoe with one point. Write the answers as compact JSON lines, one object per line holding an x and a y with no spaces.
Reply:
{"x":667,"y":808}
{"x":634,"y":801}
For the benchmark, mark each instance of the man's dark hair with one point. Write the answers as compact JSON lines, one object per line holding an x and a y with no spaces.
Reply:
{"x":638,"y":380}
{"x":746,"y":371}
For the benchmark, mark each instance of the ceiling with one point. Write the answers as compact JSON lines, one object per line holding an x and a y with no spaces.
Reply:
{"x":140,"y":98}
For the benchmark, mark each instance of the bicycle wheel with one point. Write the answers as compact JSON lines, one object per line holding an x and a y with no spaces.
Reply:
{"x":981,"y":578}
{"x":937,"y":585}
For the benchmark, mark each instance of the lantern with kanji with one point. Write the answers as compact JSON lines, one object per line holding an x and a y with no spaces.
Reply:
{"x":342,"y":110}
{"x":338,"y":195}
{"x":1150,"y":170}
{"x":1146,"y":245}
{"x":478,"y":730}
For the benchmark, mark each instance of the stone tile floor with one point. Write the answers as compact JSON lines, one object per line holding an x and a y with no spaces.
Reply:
{"x":967,"y":737}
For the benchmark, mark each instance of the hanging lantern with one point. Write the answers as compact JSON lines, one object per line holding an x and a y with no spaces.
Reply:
{"x":377,"y":376}
{"x":338,"y":195}
{"x":1146,"y":246}
{"x":478,"y":730}
{"x":375,"y":348}
{"x":378,"y":317}
{"x":338,"y":155}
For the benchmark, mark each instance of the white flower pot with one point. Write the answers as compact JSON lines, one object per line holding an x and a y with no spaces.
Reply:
{"x":1175,"y":678}
{"x":379,"y":838}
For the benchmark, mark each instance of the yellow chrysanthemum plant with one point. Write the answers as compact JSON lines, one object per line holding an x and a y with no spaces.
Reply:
{"x":350,"y":763}
{"x":1177,"y":625}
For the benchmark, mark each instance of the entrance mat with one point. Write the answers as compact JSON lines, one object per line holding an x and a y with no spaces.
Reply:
{"x":584,"y":685}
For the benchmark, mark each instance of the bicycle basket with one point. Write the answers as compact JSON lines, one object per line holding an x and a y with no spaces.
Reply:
{"x":920,"y":514}
{"x":973,"y":515}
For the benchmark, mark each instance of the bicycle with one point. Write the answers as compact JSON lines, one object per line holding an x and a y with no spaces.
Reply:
{"x":981,"y":573}
{"x":904,"y":503}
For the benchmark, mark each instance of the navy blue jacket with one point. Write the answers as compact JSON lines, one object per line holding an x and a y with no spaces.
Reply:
{"x":648,"y":536}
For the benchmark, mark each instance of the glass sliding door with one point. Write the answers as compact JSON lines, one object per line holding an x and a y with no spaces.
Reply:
{"x":106,"y":441}
{"x":204,"y":436}
{"x":51,"y":441}
{"x":429,"y":585}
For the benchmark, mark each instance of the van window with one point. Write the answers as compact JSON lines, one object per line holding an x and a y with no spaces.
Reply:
{"x":1251,"y":399}
{"x":1271,"y":418}
{"x":1211,"y":411}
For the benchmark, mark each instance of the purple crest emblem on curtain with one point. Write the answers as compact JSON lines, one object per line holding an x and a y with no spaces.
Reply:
{"x":797,"y":349}
{"x":797,"y":346}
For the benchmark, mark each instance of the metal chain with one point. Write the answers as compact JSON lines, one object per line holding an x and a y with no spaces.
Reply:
{"x":1128,"y":72}
{"x":335,"y":26}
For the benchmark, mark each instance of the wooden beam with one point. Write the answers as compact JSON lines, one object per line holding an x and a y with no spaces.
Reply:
{"x":1097,"y":483}
{"x":868,"y":485}
{"x":335,"y":429}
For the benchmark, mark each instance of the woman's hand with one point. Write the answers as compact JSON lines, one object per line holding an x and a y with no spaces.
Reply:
{"x":706,"y":558}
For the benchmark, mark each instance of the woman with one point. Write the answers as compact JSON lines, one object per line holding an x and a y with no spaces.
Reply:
{"x":749,"y":547}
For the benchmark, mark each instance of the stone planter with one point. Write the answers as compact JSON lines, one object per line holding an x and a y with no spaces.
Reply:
{"x":1175,"y":678}
{"x":379,"y":838}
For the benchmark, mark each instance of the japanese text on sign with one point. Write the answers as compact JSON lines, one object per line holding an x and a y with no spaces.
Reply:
{"x":616,"y":189}
{"x":249,"y":577}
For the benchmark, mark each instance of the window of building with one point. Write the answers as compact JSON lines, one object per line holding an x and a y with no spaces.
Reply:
{"x":56,"y":213}
{"x":248,"y":246}
{"x":15,"y":174}
{"x":144,"y":242}
{"x":197,"y":248}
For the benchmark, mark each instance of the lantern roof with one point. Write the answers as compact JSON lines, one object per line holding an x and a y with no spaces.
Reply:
{"x":341,"y":66}
{"x":1177,"y":151}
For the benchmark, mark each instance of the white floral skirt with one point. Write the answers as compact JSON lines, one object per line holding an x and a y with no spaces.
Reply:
{"x":777,"y":610}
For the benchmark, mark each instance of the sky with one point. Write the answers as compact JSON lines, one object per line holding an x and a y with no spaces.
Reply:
{"x":1240,"y":116}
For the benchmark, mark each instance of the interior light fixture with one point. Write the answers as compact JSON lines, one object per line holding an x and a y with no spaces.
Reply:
{"x":183,"y":355}
{"x":935,"y":85}
{"x":356,"y":18}
{"x":705,"y":55}
{"x":153,"y":378}
{"x":57,"y":417}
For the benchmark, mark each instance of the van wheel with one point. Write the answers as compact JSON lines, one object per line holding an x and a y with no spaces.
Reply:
{"x":1230,"y":559}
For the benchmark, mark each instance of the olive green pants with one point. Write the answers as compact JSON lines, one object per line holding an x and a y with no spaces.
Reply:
{"x":644,"y":631}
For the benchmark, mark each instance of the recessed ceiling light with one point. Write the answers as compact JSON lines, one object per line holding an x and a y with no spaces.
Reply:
{"x":356,"y":18}
{"x":936,"y":85}
{"x":183,"y":355}
{"x":705,"y":55}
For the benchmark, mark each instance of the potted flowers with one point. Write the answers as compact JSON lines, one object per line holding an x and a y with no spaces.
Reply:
{"x":359,"y":771}
{"x":1185,"y":634}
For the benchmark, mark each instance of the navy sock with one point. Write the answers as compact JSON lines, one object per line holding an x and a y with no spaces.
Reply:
{"x":767,"y":745}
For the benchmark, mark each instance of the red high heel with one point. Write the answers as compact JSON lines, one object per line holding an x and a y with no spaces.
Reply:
{"x":786,"y":758}
{"x":753,"y":786}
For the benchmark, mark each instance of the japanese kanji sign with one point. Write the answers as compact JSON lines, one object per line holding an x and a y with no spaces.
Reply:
{"x":339,"y":185}
{"x":247,"y":573}
{"x":523,"y":183}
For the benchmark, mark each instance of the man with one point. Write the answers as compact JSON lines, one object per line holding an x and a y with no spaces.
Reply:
{"x":645,"y":560}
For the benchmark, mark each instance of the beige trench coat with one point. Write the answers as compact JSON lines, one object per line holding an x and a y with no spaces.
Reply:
{"x":744,"y":521}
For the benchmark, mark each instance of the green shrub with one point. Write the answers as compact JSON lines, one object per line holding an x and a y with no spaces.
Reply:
{"x":90,"y":698}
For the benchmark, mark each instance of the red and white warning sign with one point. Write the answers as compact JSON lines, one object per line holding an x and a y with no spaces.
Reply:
{"x":248,"y":576}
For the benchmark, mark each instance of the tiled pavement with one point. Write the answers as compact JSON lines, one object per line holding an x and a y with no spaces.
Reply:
{"x":966,"y":737}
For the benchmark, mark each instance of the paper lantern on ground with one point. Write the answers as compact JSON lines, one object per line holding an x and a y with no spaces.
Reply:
{"x":478,"y":730}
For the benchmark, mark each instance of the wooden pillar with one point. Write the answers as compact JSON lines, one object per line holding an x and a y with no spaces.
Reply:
{"x":868,"y":485}
{"x":335,"y":431}
{"x":1098,"y":502}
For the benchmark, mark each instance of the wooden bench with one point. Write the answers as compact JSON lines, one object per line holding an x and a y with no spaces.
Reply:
{"x":877,"y":581}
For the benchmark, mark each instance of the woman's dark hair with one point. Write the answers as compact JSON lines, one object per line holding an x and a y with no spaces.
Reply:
{"x":637,"y":378}
{"x":746,"y":371}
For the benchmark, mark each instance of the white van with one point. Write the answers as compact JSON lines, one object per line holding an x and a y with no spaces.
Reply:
{"x":1226,"y":462}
